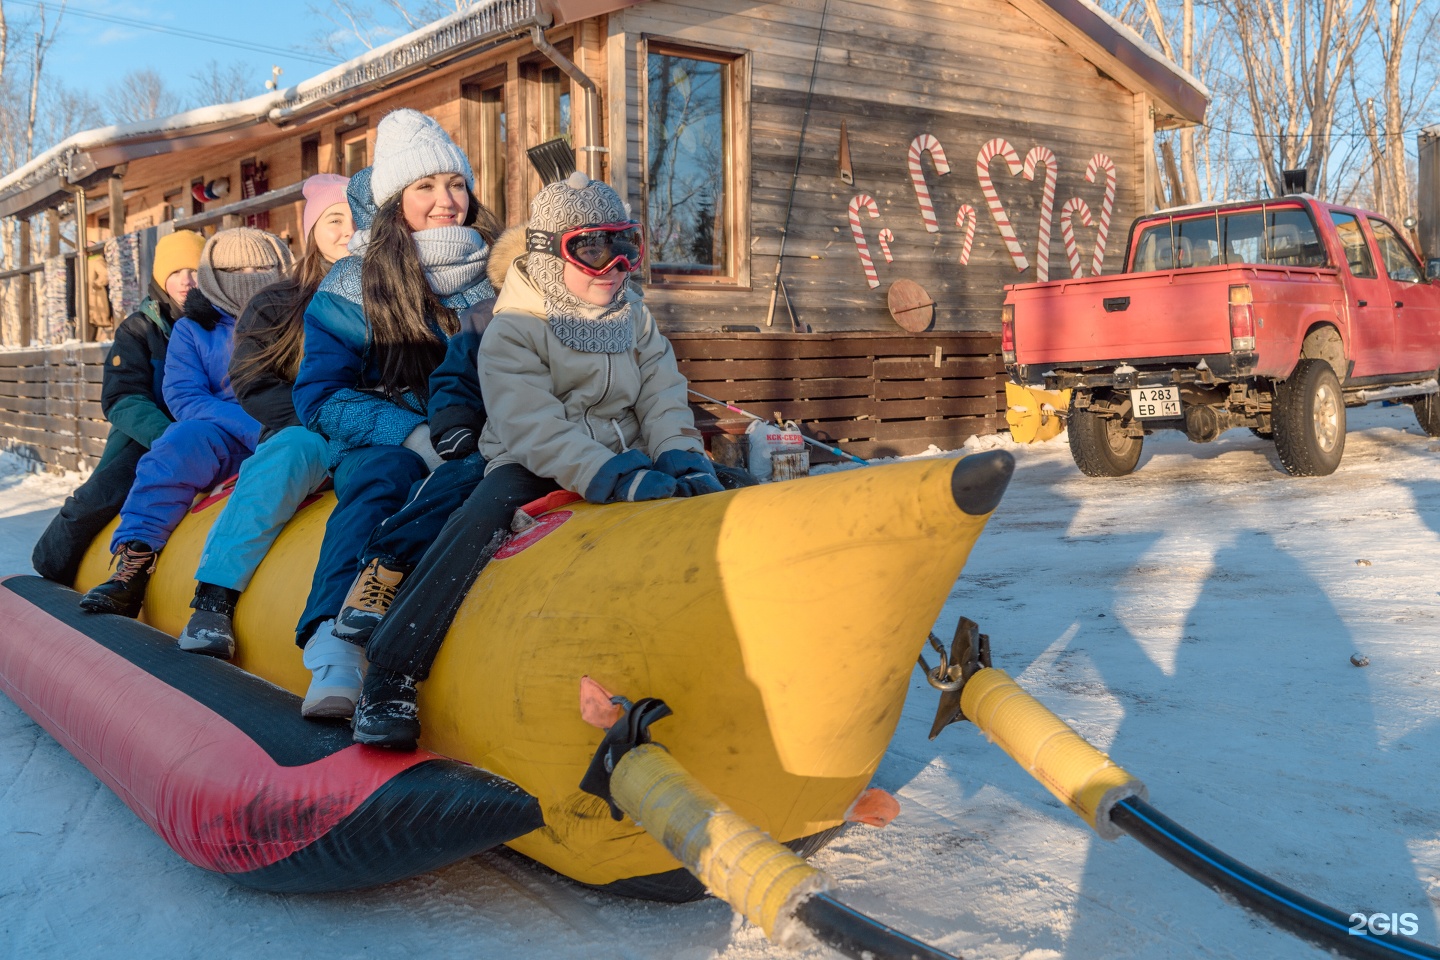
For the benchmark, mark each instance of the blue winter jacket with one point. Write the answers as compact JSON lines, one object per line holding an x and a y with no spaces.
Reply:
{"x":337,"y":389}
{"x":197,"y":378}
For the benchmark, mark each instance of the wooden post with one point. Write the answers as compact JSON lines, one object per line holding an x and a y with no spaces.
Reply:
{"x":52,"y":232}
{"x":27,"y":294}
{"x":117,"y":206}
{"x":82,"y":301}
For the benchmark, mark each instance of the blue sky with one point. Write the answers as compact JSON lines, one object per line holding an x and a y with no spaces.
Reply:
{"x":94,"y":54}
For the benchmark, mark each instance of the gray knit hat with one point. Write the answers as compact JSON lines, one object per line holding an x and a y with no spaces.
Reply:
{"x":238,"y":263}
{"x":576,"y":201}
{"x":408,"y":146}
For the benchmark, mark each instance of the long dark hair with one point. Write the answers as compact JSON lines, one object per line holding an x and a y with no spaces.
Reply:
{"x":284,"y":333}
{"x":399,"y":304}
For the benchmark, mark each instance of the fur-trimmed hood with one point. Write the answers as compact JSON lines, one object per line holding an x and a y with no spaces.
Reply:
{"x":503,"y":252}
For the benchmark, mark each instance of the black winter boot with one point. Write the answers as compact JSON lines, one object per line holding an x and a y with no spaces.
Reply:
{"x":211,"y":628}
{"x":124,"y":592}
{"x":387,"y":715}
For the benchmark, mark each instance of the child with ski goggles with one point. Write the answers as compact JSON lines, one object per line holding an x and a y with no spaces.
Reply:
{"x":582,"y":392}
{"x":594,"y":249}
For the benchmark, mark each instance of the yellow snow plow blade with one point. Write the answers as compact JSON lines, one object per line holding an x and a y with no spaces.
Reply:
{"x":1035,"y":415}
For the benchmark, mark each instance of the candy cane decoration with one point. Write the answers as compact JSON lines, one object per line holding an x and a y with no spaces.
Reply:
{"x":965,"y":218}
{"x":1000,"y":147}
{"x":868,"y":203}
{"x":1067,"y":232}
{"x":885,"y":237}
{"x":1041,"y":156}
{"x":1107,"y":206}
{"x":921,"y":144}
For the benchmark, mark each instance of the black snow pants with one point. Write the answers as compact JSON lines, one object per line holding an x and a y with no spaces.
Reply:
{"x":85,"y":513}
{"x":408,"y":639}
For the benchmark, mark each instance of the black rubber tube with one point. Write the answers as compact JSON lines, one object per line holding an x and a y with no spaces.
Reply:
{"x":1288,"y":909}
{"x":859,"y":936}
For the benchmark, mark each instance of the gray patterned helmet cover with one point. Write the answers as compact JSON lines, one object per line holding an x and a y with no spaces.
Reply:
{"x":575,"y":202}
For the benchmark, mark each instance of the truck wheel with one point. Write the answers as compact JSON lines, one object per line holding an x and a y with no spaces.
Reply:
{"x":1427,"y":411}
{"x":1100,"y":447}
{"x":1309,"y":420}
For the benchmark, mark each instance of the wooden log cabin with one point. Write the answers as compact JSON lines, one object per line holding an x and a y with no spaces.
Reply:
{"x":835,"y":192}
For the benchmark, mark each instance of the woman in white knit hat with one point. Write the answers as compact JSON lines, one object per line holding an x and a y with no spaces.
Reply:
{"x":374,"y":333}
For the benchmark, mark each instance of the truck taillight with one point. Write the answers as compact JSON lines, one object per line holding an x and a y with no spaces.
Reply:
{"x":1007,"y":333}
{"x":1242,"y":319}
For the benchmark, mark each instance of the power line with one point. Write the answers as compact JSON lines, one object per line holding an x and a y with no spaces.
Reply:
{"x":187,"y":34}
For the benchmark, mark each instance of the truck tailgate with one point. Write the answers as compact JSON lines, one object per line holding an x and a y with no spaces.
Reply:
{"x":1133,"y":316}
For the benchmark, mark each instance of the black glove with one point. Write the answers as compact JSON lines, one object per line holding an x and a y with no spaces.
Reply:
{"x":457,"y":443}
{"x":693,"y":472}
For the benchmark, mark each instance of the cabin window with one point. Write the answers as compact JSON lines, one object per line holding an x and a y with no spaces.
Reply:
{"x":1352,"y":239}
{"x":483,"y":123}
{"x":1400,"y":263}
{"x":309,"y":157}
{"x":554,"y":104}
{"x":693,"y":135}
{"x":354,"y":154}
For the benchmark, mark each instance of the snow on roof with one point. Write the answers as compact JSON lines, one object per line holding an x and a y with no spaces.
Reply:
{"x":52,"y":161}
{"x":1145,"y":47}
{"x":482,"y":19}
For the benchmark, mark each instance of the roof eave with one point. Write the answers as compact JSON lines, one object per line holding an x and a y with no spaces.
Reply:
{"x":1180,"y":99}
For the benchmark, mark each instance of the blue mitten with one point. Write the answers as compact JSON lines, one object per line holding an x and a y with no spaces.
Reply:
{"x":693,"y":472}
{"x":629,"y":476}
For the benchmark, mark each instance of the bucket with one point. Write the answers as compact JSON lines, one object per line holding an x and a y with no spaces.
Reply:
{"x":768,"y":440}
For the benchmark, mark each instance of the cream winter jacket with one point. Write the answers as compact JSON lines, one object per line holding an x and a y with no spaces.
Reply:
{"x":563,"y":414}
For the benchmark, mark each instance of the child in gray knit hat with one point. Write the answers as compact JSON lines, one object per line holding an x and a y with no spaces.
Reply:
{"x":581,"y":391}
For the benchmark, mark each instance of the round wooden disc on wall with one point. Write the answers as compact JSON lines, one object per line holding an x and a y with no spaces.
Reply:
{"x":911,"y":306}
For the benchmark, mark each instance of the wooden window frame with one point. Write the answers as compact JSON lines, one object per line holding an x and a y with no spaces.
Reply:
{"x":737,"y":159}
{"x":309,"y":149}
{"x":530,"y":93}
{"x":479,"y":142}
{"x":343,"y":138}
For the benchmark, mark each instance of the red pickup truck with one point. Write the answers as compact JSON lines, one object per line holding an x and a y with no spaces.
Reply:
{"x":1274,"y":315}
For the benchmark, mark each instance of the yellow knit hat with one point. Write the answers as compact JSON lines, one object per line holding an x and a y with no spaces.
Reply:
{"x":176,"y":251}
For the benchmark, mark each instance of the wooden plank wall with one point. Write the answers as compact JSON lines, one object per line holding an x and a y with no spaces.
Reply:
{"x":50,"y":405}
{"x":873,"y":395}
{"x":963,"y":71}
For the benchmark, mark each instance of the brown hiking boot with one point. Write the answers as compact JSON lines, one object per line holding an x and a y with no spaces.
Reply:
{"x":367,"y":602}
{"x":124,"y":592}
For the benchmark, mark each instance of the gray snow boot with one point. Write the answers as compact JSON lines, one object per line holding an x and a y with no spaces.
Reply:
{"x":211,"y":628}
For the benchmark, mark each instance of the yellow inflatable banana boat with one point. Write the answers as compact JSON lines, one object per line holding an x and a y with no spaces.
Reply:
{"x":780,"y":623}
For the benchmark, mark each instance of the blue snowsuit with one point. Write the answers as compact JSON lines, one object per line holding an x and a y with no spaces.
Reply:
{"x":212,"y":435}
{"x":287,"y":466}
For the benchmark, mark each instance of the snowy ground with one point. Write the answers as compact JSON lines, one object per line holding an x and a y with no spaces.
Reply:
{"x":1196,"y":620}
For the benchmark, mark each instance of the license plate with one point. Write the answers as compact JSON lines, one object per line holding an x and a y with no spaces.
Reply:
{"x":1156,"y":403}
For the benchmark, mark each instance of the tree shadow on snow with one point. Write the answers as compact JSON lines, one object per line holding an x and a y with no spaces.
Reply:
{"x":1255,"y":732}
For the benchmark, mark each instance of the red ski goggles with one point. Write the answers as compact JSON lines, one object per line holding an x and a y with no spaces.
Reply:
{"x":594,"y":249}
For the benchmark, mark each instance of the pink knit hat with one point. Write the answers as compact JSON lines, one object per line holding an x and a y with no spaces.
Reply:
{"x":322,"y":192}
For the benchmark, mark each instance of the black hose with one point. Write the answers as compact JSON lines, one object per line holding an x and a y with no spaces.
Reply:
{"x":859,"y":936}
{"x":1288,"y":909}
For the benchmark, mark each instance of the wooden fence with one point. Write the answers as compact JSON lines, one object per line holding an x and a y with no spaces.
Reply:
{"x":873,"y":395}
{"x":50,"y":404}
